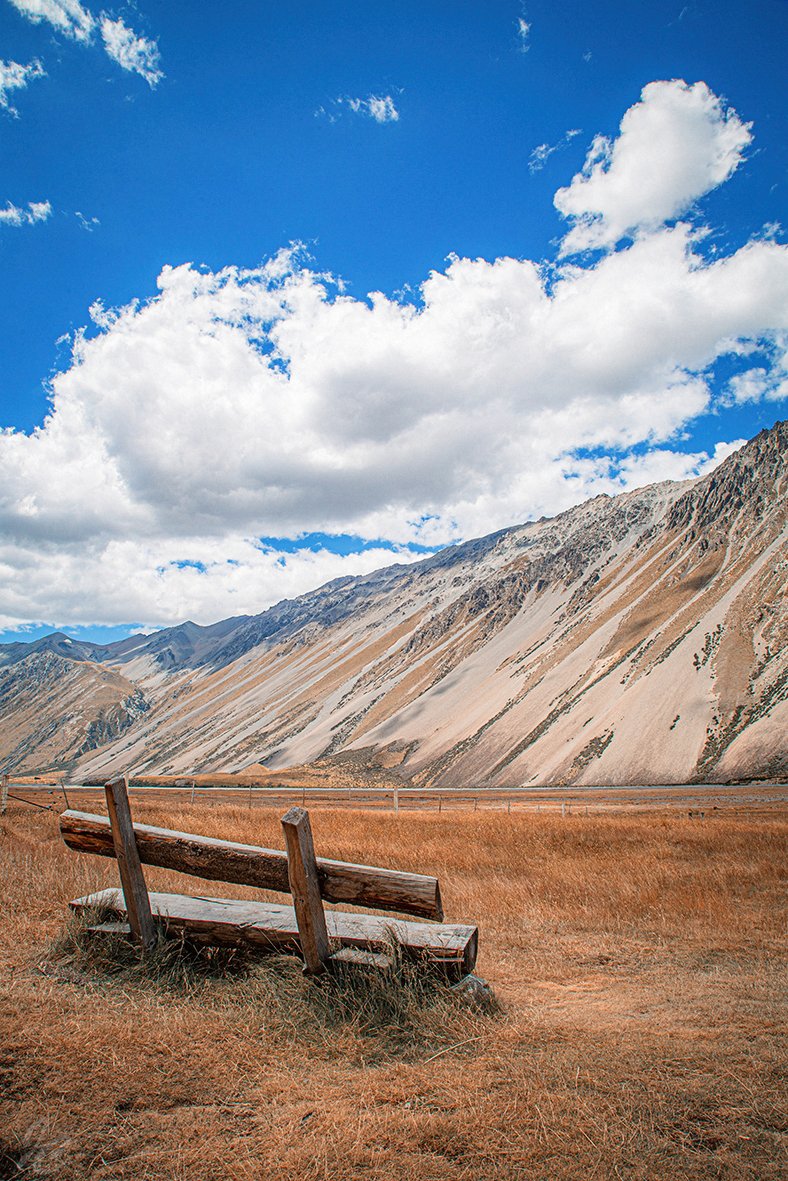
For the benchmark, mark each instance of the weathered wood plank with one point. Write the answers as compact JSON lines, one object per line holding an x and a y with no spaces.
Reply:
{"x":267,"y":926}
{"x":132,"y":878}
{"x":110,"y":928}
{"x":305,"y":889}
{"x":248,"y":865}
{"x":359,"y":958}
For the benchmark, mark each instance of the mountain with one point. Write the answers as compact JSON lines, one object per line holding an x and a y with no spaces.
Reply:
{"x":633,"y":639}
{"x":55,"y":709}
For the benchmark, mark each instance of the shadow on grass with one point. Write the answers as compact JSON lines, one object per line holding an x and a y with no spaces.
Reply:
{"x":404,"y":1010}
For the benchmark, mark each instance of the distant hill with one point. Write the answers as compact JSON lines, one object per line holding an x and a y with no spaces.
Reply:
{"x":633,"y":639}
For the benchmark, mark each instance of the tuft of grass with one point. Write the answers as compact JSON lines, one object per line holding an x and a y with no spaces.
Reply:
{"x":173,"y":964}
{"x":405,"y":1009}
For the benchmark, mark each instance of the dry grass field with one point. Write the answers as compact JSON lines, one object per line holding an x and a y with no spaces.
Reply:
{"x":639,"y":961}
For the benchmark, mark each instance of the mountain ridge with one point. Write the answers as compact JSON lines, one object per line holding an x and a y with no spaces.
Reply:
{"x":632,"y":638}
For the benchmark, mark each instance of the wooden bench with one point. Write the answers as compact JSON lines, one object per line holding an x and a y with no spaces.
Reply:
{"x":321,"y":937}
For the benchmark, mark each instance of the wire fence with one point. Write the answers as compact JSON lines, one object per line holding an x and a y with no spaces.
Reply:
{"x":696,"y":801}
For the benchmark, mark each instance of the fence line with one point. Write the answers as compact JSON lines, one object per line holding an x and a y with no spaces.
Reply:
{"x":690,"y":799}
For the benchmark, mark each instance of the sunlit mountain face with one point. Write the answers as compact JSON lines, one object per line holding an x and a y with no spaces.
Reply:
{"x":633,"y":639}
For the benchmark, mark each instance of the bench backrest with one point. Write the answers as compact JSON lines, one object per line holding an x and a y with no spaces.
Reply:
{"x":249,"y":865}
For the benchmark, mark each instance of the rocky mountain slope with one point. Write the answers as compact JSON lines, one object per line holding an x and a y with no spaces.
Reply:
{"x":639,"y":638}
{"x":53,"y":709}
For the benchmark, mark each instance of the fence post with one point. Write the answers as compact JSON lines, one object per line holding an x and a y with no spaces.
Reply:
{"x":3,"y":794}
{"x":305,"y":888}
{"x":396,"y":799}
{"x":132,"y":881}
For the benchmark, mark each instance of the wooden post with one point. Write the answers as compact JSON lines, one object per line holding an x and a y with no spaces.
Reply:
{"x":396,"y":800}
{"x":563,"y":809}
{"x":3,"y":794}
{"x":193,"y":787}
{"x":305,"y":888}
{"x":132,"y":881}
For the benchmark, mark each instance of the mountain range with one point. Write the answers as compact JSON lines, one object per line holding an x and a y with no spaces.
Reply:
{"x":638,"y":638}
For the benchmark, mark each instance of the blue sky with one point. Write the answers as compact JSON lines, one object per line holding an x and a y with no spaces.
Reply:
{"x":572,"y":213}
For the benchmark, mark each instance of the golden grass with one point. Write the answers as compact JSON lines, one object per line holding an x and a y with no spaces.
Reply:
{"x":640,"y":962}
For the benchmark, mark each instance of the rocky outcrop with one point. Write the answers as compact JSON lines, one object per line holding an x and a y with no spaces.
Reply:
{"x":113,"y":721}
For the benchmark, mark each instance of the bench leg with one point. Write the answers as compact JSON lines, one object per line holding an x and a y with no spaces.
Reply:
{"x":132,"y":881}
{"x":305,"y":888}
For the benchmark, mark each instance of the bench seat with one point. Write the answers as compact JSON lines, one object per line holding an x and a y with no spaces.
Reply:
{"x":271,"y":927}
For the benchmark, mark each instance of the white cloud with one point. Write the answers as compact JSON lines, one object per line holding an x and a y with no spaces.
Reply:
{"x":67,"y":16}
{"x":147,"y":585}
{"x":248,"y":403}
{"x":767,"y":382}
{"x":131,"y":52}
{"x":174,"y":436}
{"x":675,"y":145}
{"x":542,"y":153}
{"x":87,"y":223}
{"x":13,"y":76}
{"x":658,"y":464}
{"x":36,"y":211}
{"x":381,"y":108}
{"x":523,"y":34}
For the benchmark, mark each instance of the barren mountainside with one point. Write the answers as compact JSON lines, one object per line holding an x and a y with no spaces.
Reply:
{"x":633,"y":639}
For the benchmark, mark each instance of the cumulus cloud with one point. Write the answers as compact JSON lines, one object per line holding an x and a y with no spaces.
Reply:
{"x":267,"y":402}
{"x":147,"y":584}
{"x":523,"y":34}
{"x":67,"y":16}
{"x":675,"y":145}
{"x":248,"y":403}
{"x":137,"y":54}
{"x":765,"y":382}
{"x":13,"y":76}
{"x":13,"y":215}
